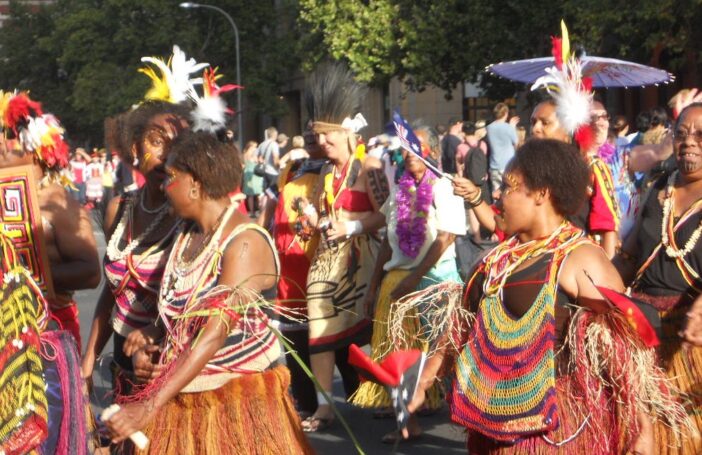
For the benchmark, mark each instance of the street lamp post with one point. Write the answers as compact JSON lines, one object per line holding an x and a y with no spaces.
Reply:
{"x":191,"y":5}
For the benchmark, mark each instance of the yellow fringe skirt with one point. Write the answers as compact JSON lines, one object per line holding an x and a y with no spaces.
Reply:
{"x":684,"y":368}
{"x":251,"y":414}
{"x":370,"y":394}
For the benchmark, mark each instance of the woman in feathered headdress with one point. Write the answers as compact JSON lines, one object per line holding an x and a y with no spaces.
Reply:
{"x":351,"y":189}
{"x":217,"y":388}
{"x":573,"y":106}
{"x":34,"y":138}
{"x":542,"y":360}
{"x":139,"y":226}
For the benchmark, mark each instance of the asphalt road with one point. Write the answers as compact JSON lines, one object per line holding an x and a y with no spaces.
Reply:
{"x":439,"y":437}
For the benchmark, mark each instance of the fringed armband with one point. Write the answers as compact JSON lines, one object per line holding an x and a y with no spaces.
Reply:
{"x":443,"y":320}
{"x":609,"y":360}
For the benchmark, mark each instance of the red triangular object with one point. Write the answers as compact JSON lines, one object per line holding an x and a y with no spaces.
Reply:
{"x":636,"y":318}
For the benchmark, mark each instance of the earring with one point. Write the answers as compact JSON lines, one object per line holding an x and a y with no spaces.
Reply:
{"x":135,"y":162}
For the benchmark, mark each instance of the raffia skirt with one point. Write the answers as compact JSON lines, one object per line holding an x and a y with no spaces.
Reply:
{"x":684,"y":369}
{"x":251,"y":414}
{"x":336,"y":289}
{"x":580,"y":431}
{"x":370,"y":394}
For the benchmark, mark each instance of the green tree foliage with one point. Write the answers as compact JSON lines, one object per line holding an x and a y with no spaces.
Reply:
{"x":80,"y":57}
{"x":442,"y":43}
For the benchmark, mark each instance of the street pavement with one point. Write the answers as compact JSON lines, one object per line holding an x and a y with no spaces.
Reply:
{"x":439,"y":437}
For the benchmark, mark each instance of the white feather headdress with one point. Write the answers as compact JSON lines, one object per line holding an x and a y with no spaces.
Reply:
{"x":564,"y":82}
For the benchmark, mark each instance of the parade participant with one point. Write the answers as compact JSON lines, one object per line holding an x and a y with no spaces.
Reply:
{"x":30,"y":137}
{"x":296,"y":242}
{"x":351,"y":189}
{"x":423,"y":218}
{"x":587,"y":122}
{"x":663,"y":259}
{"x":537,"y":314}
{"x":139,"y":230}
{"x":219,"y":354}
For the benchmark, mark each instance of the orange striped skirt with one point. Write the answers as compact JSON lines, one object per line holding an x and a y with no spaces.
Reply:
{"x":251,"y":414}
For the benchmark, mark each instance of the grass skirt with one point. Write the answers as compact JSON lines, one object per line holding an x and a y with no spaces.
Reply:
{"x":684,"y":369}
{"x":370,"y":394}
{"x":251,"y":414}
{"x":572,"y":413}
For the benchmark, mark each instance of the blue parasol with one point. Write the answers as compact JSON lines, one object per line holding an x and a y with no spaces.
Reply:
{"x":604,"y":72}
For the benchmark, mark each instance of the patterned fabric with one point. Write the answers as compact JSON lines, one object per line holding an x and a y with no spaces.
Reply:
{"x":295,"y":254}
{"x":336,"y":288}
{"x":23,"y":406}
{"x":250,"y":347}
{"x":134,"y":282}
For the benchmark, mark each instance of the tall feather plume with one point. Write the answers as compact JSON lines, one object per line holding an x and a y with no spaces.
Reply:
{"x":332,"y":94}
{"x":174,"y":83}
{"x":565,"y":83}
{"x":210,"y":109}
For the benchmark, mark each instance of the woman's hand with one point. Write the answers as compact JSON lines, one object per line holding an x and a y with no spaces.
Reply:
{"x":145,"y":368}
{"x":129,"y":419}
{"x":464,"y":188}
{"x":139,"y":338}
{"x":336,"y":231}
{"x":684,"y":99}
{"x":693,"y":329}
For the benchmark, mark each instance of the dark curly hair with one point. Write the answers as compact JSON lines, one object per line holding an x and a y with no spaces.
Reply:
{"x":136,"y":122}
{"x":556,"y":166}
{"x":214,"y":163}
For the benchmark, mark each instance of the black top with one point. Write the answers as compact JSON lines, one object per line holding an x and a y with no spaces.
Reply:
{"x":663,"y":276}
{"x":521,"y":289}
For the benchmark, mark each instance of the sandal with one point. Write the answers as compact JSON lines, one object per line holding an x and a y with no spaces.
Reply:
{"x":394,"y":436}
{"x":314,"y":424}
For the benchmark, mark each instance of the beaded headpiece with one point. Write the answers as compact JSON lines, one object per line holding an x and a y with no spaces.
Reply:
{"x":23,"y":119}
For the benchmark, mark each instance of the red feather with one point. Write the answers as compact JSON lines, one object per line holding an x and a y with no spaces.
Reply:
{"x":584,"y":137}
{"x":587,"y":84}
{"x":19,"y":109}
{"x":557,"y":51}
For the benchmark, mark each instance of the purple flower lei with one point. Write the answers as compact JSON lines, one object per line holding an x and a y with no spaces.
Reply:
{"x":607,"y":152}
{"x":412,"y":212}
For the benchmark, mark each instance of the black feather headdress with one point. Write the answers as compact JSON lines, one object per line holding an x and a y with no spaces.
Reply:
{"x":332,"y":96}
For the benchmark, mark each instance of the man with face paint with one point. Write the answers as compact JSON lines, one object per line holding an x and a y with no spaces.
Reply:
{"x":30,"y":137}
{"x":662,"y":261}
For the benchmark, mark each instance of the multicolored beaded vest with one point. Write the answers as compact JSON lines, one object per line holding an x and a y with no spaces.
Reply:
{"x":504,"y":384}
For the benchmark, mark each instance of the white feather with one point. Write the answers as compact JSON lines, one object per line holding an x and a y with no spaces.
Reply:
{"x":572,"y":101}
{"x":209,"y":114}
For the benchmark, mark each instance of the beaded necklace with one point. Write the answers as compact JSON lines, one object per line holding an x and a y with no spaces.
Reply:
{"x":668,"y":244}
{"x":511,"y":254}
{"x":112,"y":250}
